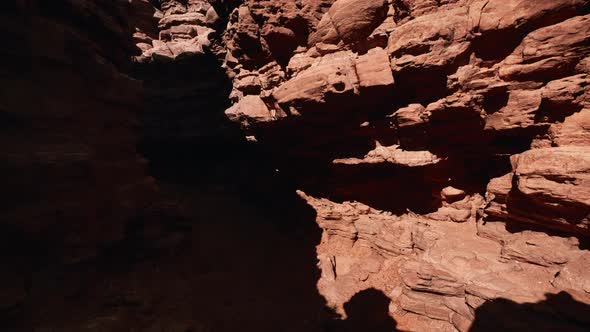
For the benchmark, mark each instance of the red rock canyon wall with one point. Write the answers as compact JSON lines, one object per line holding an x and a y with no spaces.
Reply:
{"x":443,"y":147}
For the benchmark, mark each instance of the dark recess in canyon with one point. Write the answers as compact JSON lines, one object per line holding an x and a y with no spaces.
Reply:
{"x":295,"y":165}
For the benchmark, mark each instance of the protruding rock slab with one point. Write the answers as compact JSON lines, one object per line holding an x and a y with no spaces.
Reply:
{"x":349,"y":21}
{"x":334,"y":74}
{"x":548,"y":186}
{"x":393,"y":155}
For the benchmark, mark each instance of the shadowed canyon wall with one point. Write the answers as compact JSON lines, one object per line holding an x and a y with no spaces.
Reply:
{"x":70,"y":171}
{"x":295,"y":165}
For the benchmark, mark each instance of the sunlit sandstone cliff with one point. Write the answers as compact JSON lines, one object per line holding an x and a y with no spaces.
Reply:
{"x":443,"y":147}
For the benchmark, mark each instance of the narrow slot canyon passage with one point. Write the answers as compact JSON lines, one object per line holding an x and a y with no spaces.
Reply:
{"x":295,"y":166}
{"x":247,"y":259}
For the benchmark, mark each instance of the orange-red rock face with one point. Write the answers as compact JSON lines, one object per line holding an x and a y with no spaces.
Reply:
{"x":474,"y":109}
{"x":443,"y":145}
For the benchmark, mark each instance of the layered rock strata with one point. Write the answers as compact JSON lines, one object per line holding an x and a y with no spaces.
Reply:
{"x":443,"y":146}
{"x":486,"y":101}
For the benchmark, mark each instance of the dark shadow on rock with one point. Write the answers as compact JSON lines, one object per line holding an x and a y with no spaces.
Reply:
{"x":231,"y":246}
{"x":228,"y":247}
{"x":558,"y":312}
{"x":367,"y":310}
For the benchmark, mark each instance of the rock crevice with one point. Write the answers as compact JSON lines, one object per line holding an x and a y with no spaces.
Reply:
{"x":438,"y":148}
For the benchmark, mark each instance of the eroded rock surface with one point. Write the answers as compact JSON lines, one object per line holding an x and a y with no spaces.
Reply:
{"x":487,"y":101}
{"x":443,"y":145}
{"x":444,"y":271}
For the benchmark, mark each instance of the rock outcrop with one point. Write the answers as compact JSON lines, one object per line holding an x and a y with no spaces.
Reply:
{"x":349,"y":22}
{"x":441,"y":270}
{"x":444,"y":147}
{"x":548,"y":186}
{"x":185,"y":88}
{"x":485,"y":102}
